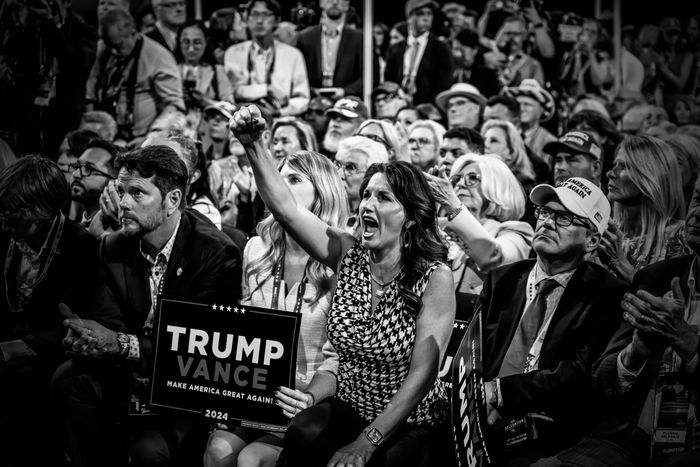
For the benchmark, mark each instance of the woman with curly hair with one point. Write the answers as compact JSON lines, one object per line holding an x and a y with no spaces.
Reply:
{"x":646,"y":190}
{"x":279,"y":274}
{"x":390,"y":319}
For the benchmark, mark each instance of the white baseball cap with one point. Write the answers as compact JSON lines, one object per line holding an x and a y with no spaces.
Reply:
{"x":579,"y":196}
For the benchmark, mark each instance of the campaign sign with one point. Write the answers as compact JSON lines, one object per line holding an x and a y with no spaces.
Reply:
{"x":469,"y":399}
{"x":459,"y":328}
{"x":224,"y":362}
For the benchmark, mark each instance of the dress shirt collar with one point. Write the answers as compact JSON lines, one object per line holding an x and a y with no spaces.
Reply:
{"x":164,"y":253}
{"x":420,"y":40}
{"x":170,"y":36}
{"x":562,"y":278}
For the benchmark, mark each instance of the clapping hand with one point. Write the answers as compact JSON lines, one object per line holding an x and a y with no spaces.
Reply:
{"x":612,"y":253}
{"x":660,"y":321}
{"x":247,"y":124}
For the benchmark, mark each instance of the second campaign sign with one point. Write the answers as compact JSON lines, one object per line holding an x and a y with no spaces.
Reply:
{"x":224,"y":362}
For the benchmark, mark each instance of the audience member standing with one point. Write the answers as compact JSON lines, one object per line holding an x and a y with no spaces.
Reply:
{"x":134,"y":78}
{"x":545,"y":321}
{"x":170,"y":15}
{"x":424,"y":141}
{"x":463,"y":105}
{"x":421,"y":63}
{"x":265,"y":71}
{"x":160,"y":252}
{"x":48,"y":260}
{"x":333,"y":52}
{"x":536,"y":107}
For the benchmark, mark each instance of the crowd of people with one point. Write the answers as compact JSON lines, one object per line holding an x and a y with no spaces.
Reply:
{"x":505,"y":168}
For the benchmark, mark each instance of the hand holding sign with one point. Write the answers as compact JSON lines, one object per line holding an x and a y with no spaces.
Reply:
{"x":292,"y":401}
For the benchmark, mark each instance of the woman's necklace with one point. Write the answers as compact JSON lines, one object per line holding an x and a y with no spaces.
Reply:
{"x":381,"y":286}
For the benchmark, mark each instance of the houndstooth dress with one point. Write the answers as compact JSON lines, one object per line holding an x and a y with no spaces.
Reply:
{"x":375,"y":347}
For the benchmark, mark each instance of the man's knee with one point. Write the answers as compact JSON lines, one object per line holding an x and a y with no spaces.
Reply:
{"x":218,"y":449}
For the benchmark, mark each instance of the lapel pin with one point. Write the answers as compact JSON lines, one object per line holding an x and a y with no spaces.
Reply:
{"x":178,"y":272}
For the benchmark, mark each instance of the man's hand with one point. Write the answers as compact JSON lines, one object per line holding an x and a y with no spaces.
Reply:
{"x":87,"y":337}
{"x":492,"y":415}
{"x":247,"y":124}
{"x":355,"y":454}
{"x":661,"y":320}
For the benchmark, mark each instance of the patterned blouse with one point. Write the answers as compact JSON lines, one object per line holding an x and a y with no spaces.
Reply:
{"x":375,"y":347}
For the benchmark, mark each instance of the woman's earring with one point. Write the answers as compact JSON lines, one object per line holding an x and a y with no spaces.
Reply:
{"x":406,"y":239}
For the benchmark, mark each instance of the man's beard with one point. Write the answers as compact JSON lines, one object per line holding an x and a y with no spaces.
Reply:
{"x":331,"y":142}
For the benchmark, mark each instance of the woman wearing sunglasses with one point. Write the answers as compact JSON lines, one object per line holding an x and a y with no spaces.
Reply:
{"x":483,"y":202}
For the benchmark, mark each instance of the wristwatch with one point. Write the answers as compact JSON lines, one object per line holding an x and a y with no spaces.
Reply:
{"x":374,"y":436}
{"x":123,"y":341}
{"x":452,"y":213}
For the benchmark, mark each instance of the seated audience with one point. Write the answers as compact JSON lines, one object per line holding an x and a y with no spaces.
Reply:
{"x":576,"y":154}
{"x":392,"y":285}
{"x":48,"y":261}
{"x":645,"y":188}
{"x":650,"y":361}
{"x":463,"y":105}
{"x":161,"y":251}
{"x":385,"y":133}
{"x":345,"y":117}
{"x":304,"y":286}
{"x":291,"y":135}
{"x":502,"y":138}
{"x":388,"y":98}
{"x":101,"y":123}
{"x":545,"y":322}
{"x":483,"y":204}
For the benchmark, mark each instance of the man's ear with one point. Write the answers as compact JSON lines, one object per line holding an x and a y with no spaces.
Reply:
{"x":597,"y":169}
{"x":592,"y":240}
{"x":196,"y":173}
{"x":173,"y":200}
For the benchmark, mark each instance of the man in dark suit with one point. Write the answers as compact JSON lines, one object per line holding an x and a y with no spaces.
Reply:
{"x":170,"y":15}
{"x":422,"y":64}
{"x":160,"y":251}
{"x":333,"y":52}
{"x":48,"y":260}
{"x":654,"y":353}
{"x":545,"y":323}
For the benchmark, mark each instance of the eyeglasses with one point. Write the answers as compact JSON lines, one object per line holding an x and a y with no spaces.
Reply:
{"x":319,"y":112}
{"x":561,"y":218}
{"x":171,"y":5}
{"x":384,"y":98}
{"x":420,"y":141}
{"x":86,"y":170}
{"x":348,"y":168}
{"x":256,"y":15}
{"x":194,"y":42}
{"x":469,"y":179}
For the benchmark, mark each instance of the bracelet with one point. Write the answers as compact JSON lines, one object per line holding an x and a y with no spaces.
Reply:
{"x":453,"y":213}
{"x":538,"y":25}
{"x":313,"y":399}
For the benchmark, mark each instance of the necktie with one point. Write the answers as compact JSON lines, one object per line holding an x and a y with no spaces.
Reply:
{"x":525,"y":335}
{"x":409,"y":81}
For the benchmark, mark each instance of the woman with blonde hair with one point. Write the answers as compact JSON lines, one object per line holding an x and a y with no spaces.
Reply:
{"x":385,"y":133}
{"x":424,"y":141}
{"x":503,"y":139}
{"x":484,"y":203}
{"x":687,"y":150}
{"x":645,"y":189}
{"x":290,"y":135}
{"x":279,"y":274}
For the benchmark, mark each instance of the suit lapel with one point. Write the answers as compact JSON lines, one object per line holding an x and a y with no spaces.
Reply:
{"x":136,"y":281}
{"x":318,"y":51}
{"x":177,"y":263}
{"x":509,"y":316}
{"x":207,"y":75}
{"x":341,"y":51}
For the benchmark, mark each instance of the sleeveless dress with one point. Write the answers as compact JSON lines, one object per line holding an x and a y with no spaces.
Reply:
{"x":375,"y":347}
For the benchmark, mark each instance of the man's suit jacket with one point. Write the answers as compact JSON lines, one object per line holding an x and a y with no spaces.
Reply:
{"x":204,"y":267}
{"x":587,"y":315}
{"x":620,"y":412}
{"x":434,"y":73}
{"x":70,"y":279}
{"x":348,"y":65}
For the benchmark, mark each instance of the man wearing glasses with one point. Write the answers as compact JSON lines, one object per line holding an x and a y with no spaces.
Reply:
{"x":170,"y":15}
{"x":90,"y":174}
{"x":545,"y":321}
